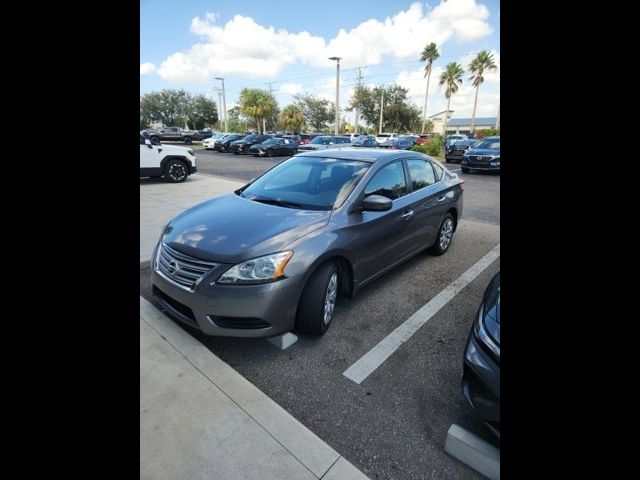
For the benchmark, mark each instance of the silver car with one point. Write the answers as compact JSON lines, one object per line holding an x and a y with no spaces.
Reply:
{"x":278,"y":253}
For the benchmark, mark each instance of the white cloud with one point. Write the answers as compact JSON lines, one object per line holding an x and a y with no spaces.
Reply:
{"x":146,"y":68}
{"x":291,"y":88}
{"x":244,"y":47}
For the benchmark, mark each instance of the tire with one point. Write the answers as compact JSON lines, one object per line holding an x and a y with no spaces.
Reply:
{"x":447,"y":160}
{"x":315,"y":310}
{"x":154,"y":140}
{"x":188,"y":140}
{"x":269,"y":153}
{"x":445,"y":236}
{"x":465,"y":170}
{"x":175,"y":171}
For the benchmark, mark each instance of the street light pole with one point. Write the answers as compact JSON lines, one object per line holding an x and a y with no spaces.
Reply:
{"x":498,"y":117}
{"x":381,"y":110}
{"x":224,"y":105}
{"x":337,"y":127}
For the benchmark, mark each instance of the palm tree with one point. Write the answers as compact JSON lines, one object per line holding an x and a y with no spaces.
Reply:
{"x":451,"y":77}
{"x":429,"y":55}
{"x":482,"y":62}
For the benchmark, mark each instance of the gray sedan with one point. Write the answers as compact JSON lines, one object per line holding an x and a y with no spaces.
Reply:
{"x":278,"y":253}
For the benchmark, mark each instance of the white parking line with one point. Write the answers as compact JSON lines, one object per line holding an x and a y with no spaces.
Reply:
{"x":456,"y":170}
{"x":371,"y":360}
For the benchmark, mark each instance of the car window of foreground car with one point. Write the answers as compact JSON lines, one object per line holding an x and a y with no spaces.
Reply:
{"x":308,"y":183}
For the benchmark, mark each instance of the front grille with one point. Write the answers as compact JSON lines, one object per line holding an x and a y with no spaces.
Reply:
{"x":180,"y":269}
{"x":480,"y":159}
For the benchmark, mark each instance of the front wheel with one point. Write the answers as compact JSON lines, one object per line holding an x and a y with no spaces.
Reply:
{"x":175,"y":171}
{"x":445,"y":235}
{"x":318,"y":300}
{"x":188,"y":140}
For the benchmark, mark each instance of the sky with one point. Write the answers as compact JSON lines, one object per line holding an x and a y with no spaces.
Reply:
{"x":251,"y":43}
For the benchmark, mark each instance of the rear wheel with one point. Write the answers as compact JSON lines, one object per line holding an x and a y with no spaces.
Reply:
{"x":465,"y":170}
{"x":175,"y":171}
{"x":318,"y":300}
{"x":188,"y":140}
{"x":445,"y":235}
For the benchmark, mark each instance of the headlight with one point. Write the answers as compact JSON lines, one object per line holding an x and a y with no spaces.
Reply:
{"x":483,"y":332}
{"x":257,"y":270}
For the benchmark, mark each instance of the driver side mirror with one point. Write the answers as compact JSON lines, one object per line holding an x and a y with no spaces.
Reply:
{"x":376,"y":203}
{"x":147,"y":142}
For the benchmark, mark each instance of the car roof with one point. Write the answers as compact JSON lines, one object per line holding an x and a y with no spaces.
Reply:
{"x":371,"y":156}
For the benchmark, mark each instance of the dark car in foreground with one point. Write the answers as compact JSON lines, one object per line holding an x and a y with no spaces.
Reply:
{"x":225,"y":142}
{"x":244,"y":144}
{"x":481,"y":377}
{"x":274,"y":147}
{"x":456,"y":151}
{"x":399,"y":144}
{"x":484,"y":155}
{"x":279,"y":252}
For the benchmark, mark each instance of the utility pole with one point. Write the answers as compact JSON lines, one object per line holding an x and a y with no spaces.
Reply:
{"x":498,"y":117}
{"x":224,"y":106}
{"x":271,"y":90}
{"x":337,"y":126}
{"x":219,"y":104}
{"x":381,"y":111}
{"x":358,"y":80}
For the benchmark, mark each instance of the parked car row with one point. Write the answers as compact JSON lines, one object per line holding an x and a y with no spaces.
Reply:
{"x":475,"y":154}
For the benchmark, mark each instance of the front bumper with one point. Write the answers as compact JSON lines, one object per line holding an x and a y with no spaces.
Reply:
{"x":481,"y":383}
{"x":479,"y":165}
{"x":231,"y":310}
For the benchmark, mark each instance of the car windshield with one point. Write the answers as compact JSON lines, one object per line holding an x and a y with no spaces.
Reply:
{"x":321,"y":140}
{"x":488,"y":143}
{"x":270,"y":141}
{"x":308,"y":183}
{"x":249,"y":138}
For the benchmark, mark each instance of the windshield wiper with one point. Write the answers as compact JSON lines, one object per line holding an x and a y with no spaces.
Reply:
{"x":275,"y":201}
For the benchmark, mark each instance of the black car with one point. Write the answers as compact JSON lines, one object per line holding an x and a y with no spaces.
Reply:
{"x":481,"y":377}
{"x":273,"y":147}
{"x":244,"y":144}
{"x":457,"y":149}
{"x":398,"y":144}
{"x":365,"y":142}
{"x":206,"y":133}
{"x":223,"y":145}
{"x":484,"y":155}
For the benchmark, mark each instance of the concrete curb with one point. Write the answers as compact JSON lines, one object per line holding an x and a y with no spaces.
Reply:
{"x":318,"y":457}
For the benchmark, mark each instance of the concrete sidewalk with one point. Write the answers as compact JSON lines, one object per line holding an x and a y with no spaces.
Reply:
{"x":200,"y":419}
{"x":160,"y":201}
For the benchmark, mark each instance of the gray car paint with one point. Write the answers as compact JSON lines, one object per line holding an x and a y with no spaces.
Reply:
{"x":230,"y":229}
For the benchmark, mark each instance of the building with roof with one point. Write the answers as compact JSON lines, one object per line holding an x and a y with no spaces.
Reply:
{"x":460,"y":125}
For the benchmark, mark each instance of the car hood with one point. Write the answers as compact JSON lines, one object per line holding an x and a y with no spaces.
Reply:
{"x":230,"y":229}
{"x":483,"y":151}
{"x":175,"y":149}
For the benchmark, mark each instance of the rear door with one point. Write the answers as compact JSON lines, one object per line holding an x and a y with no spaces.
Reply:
{"x":429,"y":201}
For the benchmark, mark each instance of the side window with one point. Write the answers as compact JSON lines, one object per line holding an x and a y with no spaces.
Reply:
{"x":388,"y":182}
{"x":421,"y":174}
{"x":438,"y":170}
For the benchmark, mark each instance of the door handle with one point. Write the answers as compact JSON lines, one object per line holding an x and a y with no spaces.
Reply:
{"x":442,"y":198}
{"x":407,"y":215}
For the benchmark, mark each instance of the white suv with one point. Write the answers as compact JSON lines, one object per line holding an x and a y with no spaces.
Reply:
{"x":171,"y":162}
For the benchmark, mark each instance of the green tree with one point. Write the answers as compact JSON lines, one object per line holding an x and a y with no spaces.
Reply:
{"x":201,"y":111}
{"x":292,"y":119}
{"x":399,"y":113}
{"x":316,"y":111}
{"x":482,"y":62}
{"x":450,"y":78}
{"x":429,"y":55}
{"x":257,"y":104}
{"x":170,"y":107}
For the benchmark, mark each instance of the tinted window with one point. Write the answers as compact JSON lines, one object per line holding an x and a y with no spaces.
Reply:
{"x":249,"y":138}
{"x":321,"y":140}
{"x":388,"y":182}
{"x":495,"y":144}
{"x":439,"y":171}
{"x":421,"y":174}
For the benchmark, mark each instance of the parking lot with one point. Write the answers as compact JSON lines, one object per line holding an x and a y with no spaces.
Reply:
{"x":393,"y":424}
